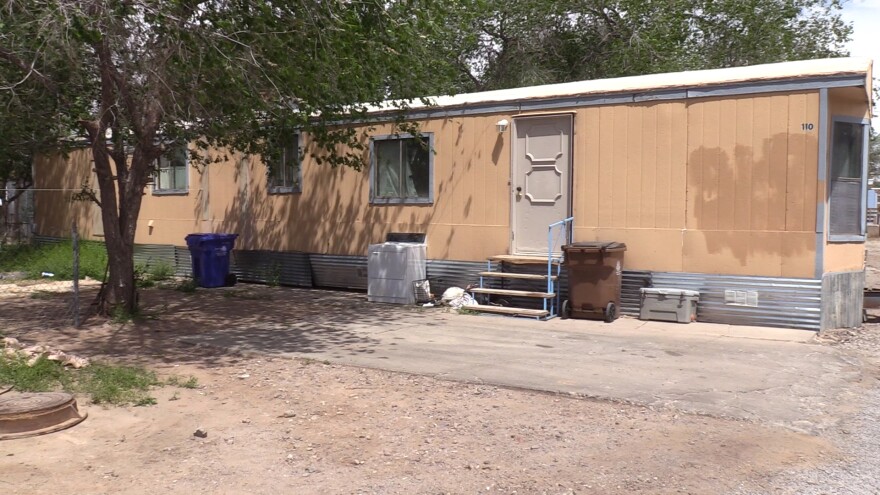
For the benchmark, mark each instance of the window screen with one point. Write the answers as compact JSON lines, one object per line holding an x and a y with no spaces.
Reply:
{"x":846,"y":196}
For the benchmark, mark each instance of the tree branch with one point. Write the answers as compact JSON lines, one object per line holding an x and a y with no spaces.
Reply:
{"x":21,"y":189}
{"x":28,"y":69}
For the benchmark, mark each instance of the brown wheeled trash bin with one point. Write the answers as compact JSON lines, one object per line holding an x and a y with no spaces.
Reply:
{"x":594,"y":280}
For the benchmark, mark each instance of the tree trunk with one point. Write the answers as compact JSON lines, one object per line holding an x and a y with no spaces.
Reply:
{"x":120,"y":261}
{"x":121,"y":196}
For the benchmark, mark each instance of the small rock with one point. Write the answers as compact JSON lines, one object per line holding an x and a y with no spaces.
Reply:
{"x":288,"y":414}
{"x":230,"y":440}
{"x":243,"y":376}
{"x":246,"y":421}
{"x":200,"y":432}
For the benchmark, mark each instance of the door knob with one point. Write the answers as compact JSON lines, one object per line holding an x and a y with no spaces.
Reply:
{"x":518,"y":192}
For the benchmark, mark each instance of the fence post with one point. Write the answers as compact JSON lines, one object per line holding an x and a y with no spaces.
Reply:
{"x":75,"y":236}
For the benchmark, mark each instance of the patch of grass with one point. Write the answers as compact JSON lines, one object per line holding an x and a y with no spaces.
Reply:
{"x":102,"y":383}
{"x":150,"y":275}
{"x":43,"y":376}
{"x":160,"y":271}
{"x":109,"y":384}
{"x":189,"y":286}
{"x":179,"y":381}
{"x":464,"y":310}
{"x":56,"y":259}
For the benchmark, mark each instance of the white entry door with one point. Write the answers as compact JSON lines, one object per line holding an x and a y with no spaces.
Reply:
{"x":540,"y":182}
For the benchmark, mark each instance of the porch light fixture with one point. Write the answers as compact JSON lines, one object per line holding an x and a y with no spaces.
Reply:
{"x":501,"y":125}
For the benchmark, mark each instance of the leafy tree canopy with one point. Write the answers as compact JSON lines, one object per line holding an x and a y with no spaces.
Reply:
{"x":133,"y":75}
{"x":513,"y":43}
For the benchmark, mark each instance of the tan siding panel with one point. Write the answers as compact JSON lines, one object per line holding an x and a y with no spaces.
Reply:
{"x":727,"y":179}
{"x":606,"y":166}
{"x":648,"y":159}
{"x":588,"y":193}
{"x":743,"y":160}
{"x":619,"y":171}
{"x":761,"y":164}
{"x":678,"y":121}
{"x":647,"y":249}
{"x":633,"y":163}
{"x":663,"y":159}
{"x":811,"y":163}
{"x":778,"y":162}
{"x":694,"y":162}
{"x":843,"y":257}
{"x":798,"y":254}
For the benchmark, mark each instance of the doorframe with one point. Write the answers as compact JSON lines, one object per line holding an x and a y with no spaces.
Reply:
{"x":511,"y":194}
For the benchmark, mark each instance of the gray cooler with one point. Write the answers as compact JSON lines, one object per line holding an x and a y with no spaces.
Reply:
{"x":662,"y":304}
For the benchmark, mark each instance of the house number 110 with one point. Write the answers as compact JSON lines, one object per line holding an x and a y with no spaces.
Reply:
{"x":807,"y":127}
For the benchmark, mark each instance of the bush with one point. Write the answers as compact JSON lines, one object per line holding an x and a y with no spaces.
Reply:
{"x":160,"y":271}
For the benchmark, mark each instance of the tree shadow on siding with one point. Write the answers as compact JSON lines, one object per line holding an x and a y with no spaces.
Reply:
{"x":333,"y":214}
{"x":756,"y":205}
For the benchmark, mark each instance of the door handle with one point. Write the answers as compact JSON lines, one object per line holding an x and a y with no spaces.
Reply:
{"x":519,"y":192}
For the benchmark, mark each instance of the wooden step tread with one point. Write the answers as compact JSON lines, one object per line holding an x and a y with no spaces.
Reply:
{"x":524,"y":276}
{"x":508,"y":292}
{"x":507,"y":310}
{"x":519,"y":259}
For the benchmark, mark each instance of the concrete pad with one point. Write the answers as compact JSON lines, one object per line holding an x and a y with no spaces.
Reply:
{"x":768,"y":375}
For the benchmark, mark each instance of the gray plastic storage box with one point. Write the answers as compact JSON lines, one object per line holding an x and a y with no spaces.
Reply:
{"x":669,"y":305}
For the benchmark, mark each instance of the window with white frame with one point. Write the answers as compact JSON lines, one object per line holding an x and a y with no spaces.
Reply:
{"x":285,"y":173}
{"x":402,"y":169}
{"x":172,"y":173}
{"x":847,"y":181}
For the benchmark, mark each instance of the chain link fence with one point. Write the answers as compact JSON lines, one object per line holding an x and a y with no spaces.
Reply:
{"x":42,"y":284}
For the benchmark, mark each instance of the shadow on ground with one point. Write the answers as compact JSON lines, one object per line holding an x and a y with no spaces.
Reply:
{"x":268,"y":320}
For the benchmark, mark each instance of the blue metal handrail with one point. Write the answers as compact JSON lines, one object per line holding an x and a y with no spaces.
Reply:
{"x":565,"y":230}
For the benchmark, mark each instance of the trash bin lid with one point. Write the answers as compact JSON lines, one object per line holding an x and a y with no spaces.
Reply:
{"x":595,"y":246}
{"x":196,"y":240}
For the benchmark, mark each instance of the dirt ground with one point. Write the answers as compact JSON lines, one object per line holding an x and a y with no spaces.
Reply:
{"x":279,"y":425}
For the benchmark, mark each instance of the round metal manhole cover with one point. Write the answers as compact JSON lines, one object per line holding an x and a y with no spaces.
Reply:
{"x":30,"y":414}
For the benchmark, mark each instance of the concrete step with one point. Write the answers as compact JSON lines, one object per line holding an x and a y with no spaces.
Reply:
{"x":507,"y":310}
{"x":520,"y":293}
{"x":523,"y":276}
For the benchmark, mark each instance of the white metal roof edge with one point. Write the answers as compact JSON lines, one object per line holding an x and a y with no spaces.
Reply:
{"x":699,"y":79}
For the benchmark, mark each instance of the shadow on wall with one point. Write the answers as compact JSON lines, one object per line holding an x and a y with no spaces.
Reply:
{"x":333,"y":215}
{"x":58,"y":178}
{"x":755,"y":204}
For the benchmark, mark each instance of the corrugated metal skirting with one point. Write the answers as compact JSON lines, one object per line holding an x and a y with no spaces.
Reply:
{"x":272,"y":267}
{"x":769,"y":301}
{"x":444,"y":274}
{"x":781,"y":302}
{"x":341,"y":272}
{"x":630,"y":292}
{"x":44,"y":240}
{"x":182,"y":262}
{"x":151,"y":254}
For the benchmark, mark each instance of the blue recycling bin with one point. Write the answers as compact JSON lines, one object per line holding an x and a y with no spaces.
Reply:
{"x":210,"y":258}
